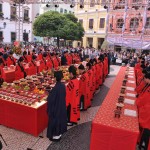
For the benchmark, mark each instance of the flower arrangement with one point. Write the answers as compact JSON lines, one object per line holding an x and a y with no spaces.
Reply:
{"x":17,"y":50}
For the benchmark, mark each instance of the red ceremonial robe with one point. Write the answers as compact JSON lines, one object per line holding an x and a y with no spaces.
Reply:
{"x":39,"y":57}
{"x":105,"y":67}
{"x":49,"y":62}
{"x":90,"y":77}
{"x":55,"y":62}
{"x":94,"y":78}
{"x":11,"y":61}
{"x":101,"y":73}
{"x":42,"y":66}
{"x":72,"y":100}
{"x":84,"y":90}
{"x":18,"y":73}
{"x":140,"y":87}
{"x":32,"y":70}
{"x":143,"y":104}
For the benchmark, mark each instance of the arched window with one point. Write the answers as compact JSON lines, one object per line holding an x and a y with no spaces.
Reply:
{"x":120,"y":23}
{"x":134,"y":23}
{"x":147,"y":23}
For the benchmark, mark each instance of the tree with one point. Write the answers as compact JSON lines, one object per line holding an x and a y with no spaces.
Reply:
{"x":71,"y":17}
{"x":49,"y":24}
{"x":54,"y":24}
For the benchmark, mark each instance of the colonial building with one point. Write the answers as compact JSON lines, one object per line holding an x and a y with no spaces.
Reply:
{"x":16,"y":22}
{"x":93,"y":19}
{"x":129,"y":24}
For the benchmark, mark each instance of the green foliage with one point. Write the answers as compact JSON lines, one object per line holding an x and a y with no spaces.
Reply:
{"x":71,"y":17}
{"x":54,"y":24}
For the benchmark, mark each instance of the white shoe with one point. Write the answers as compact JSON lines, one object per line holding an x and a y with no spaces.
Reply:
{"x":57,"y":137}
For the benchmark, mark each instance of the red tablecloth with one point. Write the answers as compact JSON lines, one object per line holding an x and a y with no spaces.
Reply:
{"x":23,"y":118}
{"x":110,"y":133}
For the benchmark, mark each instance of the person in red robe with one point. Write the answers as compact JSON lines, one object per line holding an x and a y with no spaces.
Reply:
{"x":24,"y":57}
{"x":32,"y":70}
{"x":20,"y":72}
{"x":1,"y":69}
{"x":11,"y":60}
{"x":143,"y":104}
{"x":43,"y":65}
{"x":100,"y":80}
{"x":84,"y":89}
{"x":72,"y":97}
{"x":90,"y":78}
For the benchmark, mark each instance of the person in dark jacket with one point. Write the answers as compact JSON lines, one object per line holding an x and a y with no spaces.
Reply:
{"x":57,"y":113}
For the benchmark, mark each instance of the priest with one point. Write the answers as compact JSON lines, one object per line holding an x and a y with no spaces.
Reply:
{"x":56,"y":110}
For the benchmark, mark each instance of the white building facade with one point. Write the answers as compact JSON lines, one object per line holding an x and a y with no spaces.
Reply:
{"x":15,"y":26}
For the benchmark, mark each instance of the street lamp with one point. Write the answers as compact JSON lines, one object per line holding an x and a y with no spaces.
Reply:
{"x":4,"y":26}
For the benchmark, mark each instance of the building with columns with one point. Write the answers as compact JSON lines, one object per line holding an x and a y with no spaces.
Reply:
{"x":93,"y":19}
{"x":129,"y":24}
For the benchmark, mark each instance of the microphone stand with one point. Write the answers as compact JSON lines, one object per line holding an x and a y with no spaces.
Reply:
{"x":3,"y":139}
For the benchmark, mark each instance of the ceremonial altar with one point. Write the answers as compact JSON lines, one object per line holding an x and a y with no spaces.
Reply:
{"x":115,"y":126}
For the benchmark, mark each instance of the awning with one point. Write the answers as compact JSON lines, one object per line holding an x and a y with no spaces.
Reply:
{"x":129,"y":42}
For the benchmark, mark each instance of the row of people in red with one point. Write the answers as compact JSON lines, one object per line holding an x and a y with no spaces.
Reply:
{"x":142,"y":72}
{"x":80,"y":92}
{"x":70,"y":58}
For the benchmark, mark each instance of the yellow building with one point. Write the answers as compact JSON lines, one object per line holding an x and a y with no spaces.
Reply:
{"x":93,"y":19}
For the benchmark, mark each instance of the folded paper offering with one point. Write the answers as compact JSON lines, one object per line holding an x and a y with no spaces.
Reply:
{"x":129,"y":101}
{"x":131,"y":113}
{"x":130,"y":88}
{"x":130,"y":94}
{"x":131,"y":76}
{"x":130,"y":81}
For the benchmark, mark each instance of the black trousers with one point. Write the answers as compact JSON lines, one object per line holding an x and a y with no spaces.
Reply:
{"x":145,"y":138}
{"x":68,"y":113}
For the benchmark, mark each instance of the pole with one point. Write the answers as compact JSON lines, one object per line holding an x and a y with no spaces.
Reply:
{"x":19,"y":22}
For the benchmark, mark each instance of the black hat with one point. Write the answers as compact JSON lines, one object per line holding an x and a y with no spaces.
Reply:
{"x":52,"y":54}
{"x":91,"y":61}
{"x":11,"y":52}
{"x":144,"y":71}
{"x":94,"y":60}
{"x":20,"y":59}
{"x":1,"y":54}
{"x":88,"y":65}
{"x":81,"y":67}
{"x":44,"y":54}
{"x":72,"y":70}
{"x":143,"y":66}
{"x":34,"y":56}
{"x":1,"y":61}
{"x":24,"y":53}
{"x":33,"y":50}
{"x":58,"y":75}
{"x":147,"y":76}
